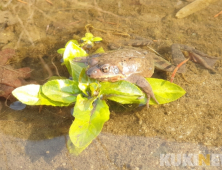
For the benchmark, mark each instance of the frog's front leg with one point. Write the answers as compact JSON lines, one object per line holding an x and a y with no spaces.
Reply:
{"x":144,"y":85}
{"x":195,"y":55}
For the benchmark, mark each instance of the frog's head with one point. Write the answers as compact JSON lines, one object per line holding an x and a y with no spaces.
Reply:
{"x":104,"y":72}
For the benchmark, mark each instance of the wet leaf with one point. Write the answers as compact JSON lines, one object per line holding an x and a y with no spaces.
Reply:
{"x":32,"y":95}
{"x":76,"y":69}
{"x":84,"y":81}
{"x":125,"y":99}
{"x":89,"y":120}
{"x":88,"y":36}
{"x":72,"y":51}
{"x":121,"y":91}
{"x":73,"y":41}
{"x":99,"y":50}
{"x":120,"y":87}
{"x":61,"y":90}
{"x":61,"y":50}
{"x":126,"y":93}
{"x":165,"y":91}
{"x":97,"y":39}
{"x":74,"y":149}
{"x":94,"y":88}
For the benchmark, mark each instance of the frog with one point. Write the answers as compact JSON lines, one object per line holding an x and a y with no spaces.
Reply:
{"x":135,"y":64}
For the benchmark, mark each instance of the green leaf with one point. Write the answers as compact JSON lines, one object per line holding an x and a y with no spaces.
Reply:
{"x":84,"y":81}
{"x":122,"y":92}
{"x":61,"y":90}
{"x":99,"y":50}
{"x":94,"y":89}
{"x":89,"y":120}
{"x":97,"y":39}
{"x":126,"y":93}
{"x":83,"y":107}
{"x":61,"y":50}
{"x":124,"y":99}
{"x":120,"y":87}
{"x":74,"y":149}
{"x":73,"y":41}
{"x":89,"y":36}
{"x":76,"y":69}
{"x":72,"y":51}
{"x":32,"y":95}
{"x":165,"y":91}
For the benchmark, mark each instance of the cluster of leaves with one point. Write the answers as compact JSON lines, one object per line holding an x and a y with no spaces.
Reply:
{"x":89,"y":95}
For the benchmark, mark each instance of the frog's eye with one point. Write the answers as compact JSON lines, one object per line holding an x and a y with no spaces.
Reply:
{"x":105,"y":69}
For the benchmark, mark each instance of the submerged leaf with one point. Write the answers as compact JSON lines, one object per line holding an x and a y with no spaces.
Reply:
{"x":122,"y":92}
{"x":126,"y":93}
{"x":72,"y":51}
{"x":61,"y":50}
{"x":96,"y":39}
{"x":83,"y":107}
{"x":32,"y":95}
{"x":74,"y":149}
{"x":120,"y":87}
{"x":124,"y":99}
{"x":85,"y":81}
{"x":76,"y":69}
{"x":89,"y":124}
{"x":165,"y":91}
{"x":61,"y":90}
{"x":99,"y":50}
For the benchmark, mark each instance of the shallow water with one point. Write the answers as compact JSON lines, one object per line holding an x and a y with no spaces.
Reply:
{"x":131,"y":139}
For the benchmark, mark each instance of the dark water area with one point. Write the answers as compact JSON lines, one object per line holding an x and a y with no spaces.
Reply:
{"x":133,"y":138}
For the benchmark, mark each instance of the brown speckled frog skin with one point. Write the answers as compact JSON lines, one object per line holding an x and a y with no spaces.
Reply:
{"x":132,"y":64}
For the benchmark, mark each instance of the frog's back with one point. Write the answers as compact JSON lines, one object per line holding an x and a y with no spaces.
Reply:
{"x":130,"y":61}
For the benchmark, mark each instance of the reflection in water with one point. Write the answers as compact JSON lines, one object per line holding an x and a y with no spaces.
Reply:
{"x":38,"y":29}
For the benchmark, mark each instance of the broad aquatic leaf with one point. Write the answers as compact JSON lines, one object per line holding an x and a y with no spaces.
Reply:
{"x":122,"y":92}
{"x":120,"y":87}
{"x":61,"y":90}
{"x":76,"y":69}
{"x":165,"y":91}
{"x":85,"y":128}
{"x":125,"y":99}
{"x":72,"y":51}
{"x":99,"y":50}
{"x":32,"y":95}
{"x":84,"y":81}
{"x":94,"y":88}
{"x":88,"y":36}
{"x":125,"y":92}
{"x":27,"y":94}
{"x":73,"y":41}
{"x":83,"y":107}
{"x":74,"y":149}
{"x":96,"y":39}
{"x":61,"y":50}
